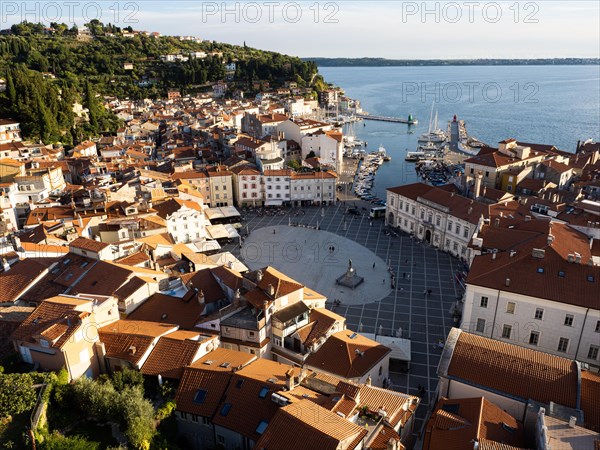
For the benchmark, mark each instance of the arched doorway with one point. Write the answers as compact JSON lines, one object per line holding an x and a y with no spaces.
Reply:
{"x":391,"y":219}
{"x":428,"y":236}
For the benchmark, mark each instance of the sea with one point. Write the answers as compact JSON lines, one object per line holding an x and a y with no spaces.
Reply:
{"x":557,"y":105}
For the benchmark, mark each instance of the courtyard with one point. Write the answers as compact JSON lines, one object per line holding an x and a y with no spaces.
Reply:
{"x":302,"y":252}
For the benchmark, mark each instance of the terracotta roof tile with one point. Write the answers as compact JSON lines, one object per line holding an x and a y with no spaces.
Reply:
{"x":169,"y":357}
{"x":456,"y":423}
{"x":195,"y":379}
{"x":305,"y":425}
{"x":590,"y":399}
{"x":521,"y":372}
{"x":18,"y":278}
{"x":89,"y":245}
{"x":348,"y":354}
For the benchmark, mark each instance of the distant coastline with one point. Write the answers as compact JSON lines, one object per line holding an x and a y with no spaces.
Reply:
{"x":382,"y":62}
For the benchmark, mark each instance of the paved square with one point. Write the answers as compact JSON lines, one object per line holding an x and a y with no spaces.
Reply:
{"x":416,"y":267}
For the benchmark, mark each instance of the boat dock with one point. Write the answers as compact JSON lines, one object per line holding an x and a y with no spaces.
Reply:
{"x":410,"y":120}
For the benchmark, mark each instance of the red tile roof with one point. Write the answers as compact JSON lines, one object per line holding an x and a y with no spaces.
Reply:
{"x":517,"y":371}
{"x":348,"y":354}
{"x":456,"y":424}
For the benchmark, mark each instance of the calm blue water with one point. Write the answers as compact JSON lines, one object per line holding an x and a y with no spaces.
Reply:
{"x":541,"y":104}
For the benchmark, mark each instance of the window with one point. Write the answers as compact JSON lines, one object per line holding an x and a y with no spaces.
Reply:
{"x":263,"y":392}
{"x":540,"y":270}
{"x":510,"y":308}
{"x":569,"y":320}
{"x":200,"y":396}
{"x":593,"y":352}
{"x":220,"y":439}
{"x":422,"y":214}
{"x":457,"y":228}
{"x":437,"y":221}
{"x":262,"y":426}
{"x":480,"y":325}
{"x":590,"y":278}
{"x":506,"y":331}
{"x":598,"y":327}
{"x":484,"y":302}
{"x":561,"y":274}
{"x":534,"y":338}
{"x":225,"y":409}
{"x":539,"y":314}
{"x":563,"y":344}
{"x":466,"y":232}
{"x":450,"y":226}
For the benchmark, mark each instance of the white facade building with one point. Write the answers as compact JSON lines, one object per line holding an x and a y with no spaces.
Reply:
{"x":440,"y":217}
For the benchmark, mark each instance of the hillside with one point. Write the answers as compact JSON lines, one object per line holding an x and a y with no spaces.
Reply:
{"x":49,"y":68}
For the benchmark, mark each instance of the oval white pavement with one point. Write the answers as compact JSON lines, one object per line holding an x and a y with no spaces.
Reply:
{"x":303,"y":254}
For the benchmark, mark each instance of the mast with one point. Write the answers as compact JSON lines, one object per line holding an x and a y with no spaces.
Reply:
{"x":431,"y":117}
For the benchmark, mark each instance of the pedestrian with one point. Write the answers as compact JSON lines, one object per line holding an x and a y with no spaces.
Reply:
{"x":383,"y":282}
{"x":274,"y":231}
{"x":404,"y":275}
{"x":429,"y":292}
{"x":373,"y":265}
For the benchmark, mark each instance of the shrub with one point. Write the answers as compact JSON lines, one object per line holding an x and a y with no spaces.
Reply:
{"x":165,"y":410}
{"x":57,"y":441}
{"x":17,"y":394}
{"x":127,"y":378}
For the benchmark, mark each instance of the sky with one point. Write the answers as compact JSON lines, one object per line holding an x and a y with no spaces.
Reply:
{"x":350,"y":28}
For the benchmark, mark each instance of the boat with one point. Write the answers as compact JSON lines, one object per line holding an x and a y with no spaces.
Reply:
{"x":415,"y":156}
{"x":434,"y":134}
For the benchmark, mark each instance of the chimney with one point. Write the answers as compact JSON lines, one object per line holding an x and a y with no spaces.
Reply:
{"x":290,"y":382}
{"x":507,"y":282}
{"x":201,"y":297}
{"x":80,"y":220}
{"x":259,"y":276}
{"x":369,"y":381}
{"x":572,"y":421}
{"x":5,"y":264}
{"x":478,"y":181}
{"x":550,"y":239}
{"x":392,"y":444}
{"x":302,"y":375}
{"x":271,"y":290}
{"x":131,"y":350}
{"x":494,"y":255}
{"x":470,"y":210}
{"x":236,"y":297}
{"x":512,"y":253}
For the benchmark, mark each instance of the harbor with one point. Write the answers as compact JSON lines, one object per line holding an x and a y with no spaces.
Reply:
{"x":434,"y":156}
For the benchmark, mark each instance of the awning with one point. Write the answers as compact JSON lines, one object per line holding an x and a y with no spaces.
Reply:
{"x":217,"y":232}
{"x":401,"y":348}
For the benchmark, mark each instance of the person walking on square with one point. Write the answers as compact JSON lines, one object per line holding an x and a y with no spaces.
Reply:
{"x":373,"y":265}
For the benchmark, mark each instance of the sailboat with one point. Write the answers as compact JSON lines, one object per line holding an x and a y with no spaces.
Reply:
{"x":434,"y":134}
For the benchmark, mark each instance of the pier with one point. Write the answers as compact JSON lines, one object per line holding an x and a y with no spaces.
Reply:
{"x":410,"y":120}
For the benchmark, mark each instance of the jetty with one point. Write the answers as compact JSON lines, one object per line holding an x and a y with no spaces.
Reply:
{"x":410,"y":120}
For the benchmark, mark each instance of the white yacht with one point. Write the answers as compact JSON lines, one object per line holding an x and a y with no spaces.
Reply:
{"x":434,"y":133}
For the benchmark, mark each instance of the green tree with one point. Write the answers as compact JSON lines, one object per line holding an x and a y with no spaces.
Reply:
{"x":17,"y":394}
{"x":11,"y":92}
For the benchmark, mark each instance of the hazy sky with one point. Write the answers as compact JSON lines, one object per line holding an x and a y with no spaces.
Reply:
{"x":390,"y":29}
